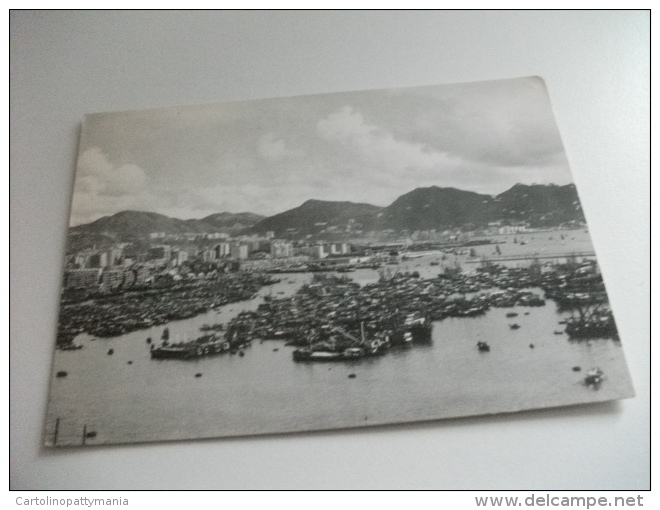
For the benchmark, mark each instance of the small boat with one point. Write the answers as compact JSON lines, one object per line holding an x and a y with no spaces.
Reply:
{"x":557,"y":332}
{"x":312,"y":355}
{"x":70,"y":347}
{"x":514,"y":326}
{"x":483,"y":346}
{"x":212,"y":327}
{"x":593,"y":377}
{"x":512,"y":314}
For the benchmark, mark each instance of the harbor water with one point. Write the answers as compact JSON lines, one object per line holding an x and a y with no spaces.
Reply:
{"x":126,"y":396}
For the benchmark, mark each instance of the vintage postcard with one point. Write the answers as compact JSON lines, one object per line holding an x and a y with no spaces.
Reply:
{"x":323,"y":262}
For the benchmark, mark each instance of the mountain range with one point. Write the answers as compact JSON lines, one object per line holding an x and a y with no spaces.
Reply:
{"x":135,"y":226}
{"x":540,"y":205}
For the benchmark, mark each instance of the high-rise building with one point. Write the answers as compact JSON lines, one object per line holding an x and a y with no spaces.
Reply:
{"x":82,"y":278}
{"x":159,"y":253}
{"x":239,"y":251}
{"x":281,"y":249}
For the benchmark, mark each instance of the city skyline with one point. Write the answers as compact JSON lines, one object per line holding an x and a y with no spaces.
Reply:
{"x":268,"y":156}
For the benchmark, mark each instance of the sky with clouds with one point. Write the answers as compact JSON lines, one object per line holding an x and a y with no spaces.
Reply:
{"x":267,"y":156}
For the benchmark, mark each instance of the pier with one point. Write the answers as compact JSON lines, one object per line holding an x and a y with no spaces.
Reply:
{"x":507,"y":258}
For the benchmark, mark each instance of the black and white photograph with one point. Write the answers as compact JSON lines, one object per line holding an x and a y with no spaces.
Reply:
{"x":327,"y":261}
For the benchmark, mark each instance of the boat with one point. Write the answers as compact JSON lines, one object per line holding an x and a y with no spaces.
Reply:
{"x":212,"y":327}
{"x":312,"y":354}
{"x":70,"y":347}
{"x":512,"y":314}
{"x":593,"y":377}
{"x":334,"y":350}
{"x":514,"y":326}
{"x":280,"y":335}
{"x":206,"y":345}
{"x":483,"y":346}
{"x":592,"y":326}
{"x":415,"y":328}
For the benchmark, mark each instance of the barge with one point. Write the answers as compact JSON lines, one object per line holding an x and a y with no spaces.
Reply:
{"x":206,"y":345}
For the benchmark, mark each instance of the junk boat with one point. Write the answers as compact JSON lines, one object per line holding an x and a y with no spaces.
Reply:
{"x":592,"y":326}
{"x":416,"y":328}
{"x":205,"y":345}
{"x":593,"y":377}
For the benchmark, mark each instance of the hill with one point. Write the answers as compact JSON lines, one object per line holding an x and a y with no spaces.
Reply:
{"x":135,"y":226}
{"x":316,"y":215}
{"x":539,"y":205}
{"x":434,"y":207}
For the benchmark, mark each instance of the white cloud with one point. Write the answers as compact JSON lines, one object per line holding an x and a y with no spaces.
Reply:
{"x":270,"y":148}
{"x":344,"y":125}
{"x":379,"y":147}
{"x":98,"y":176}
{"x":274,"y":149}
{"x":104,"y":188}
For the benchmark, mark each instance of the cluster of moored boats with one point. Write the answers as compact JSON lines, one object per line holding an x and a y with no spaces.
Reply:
{"x":335,"y":319}
{"x":324,"y":320}
{"x":121,"y":313}
{"x":205,"y":345}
